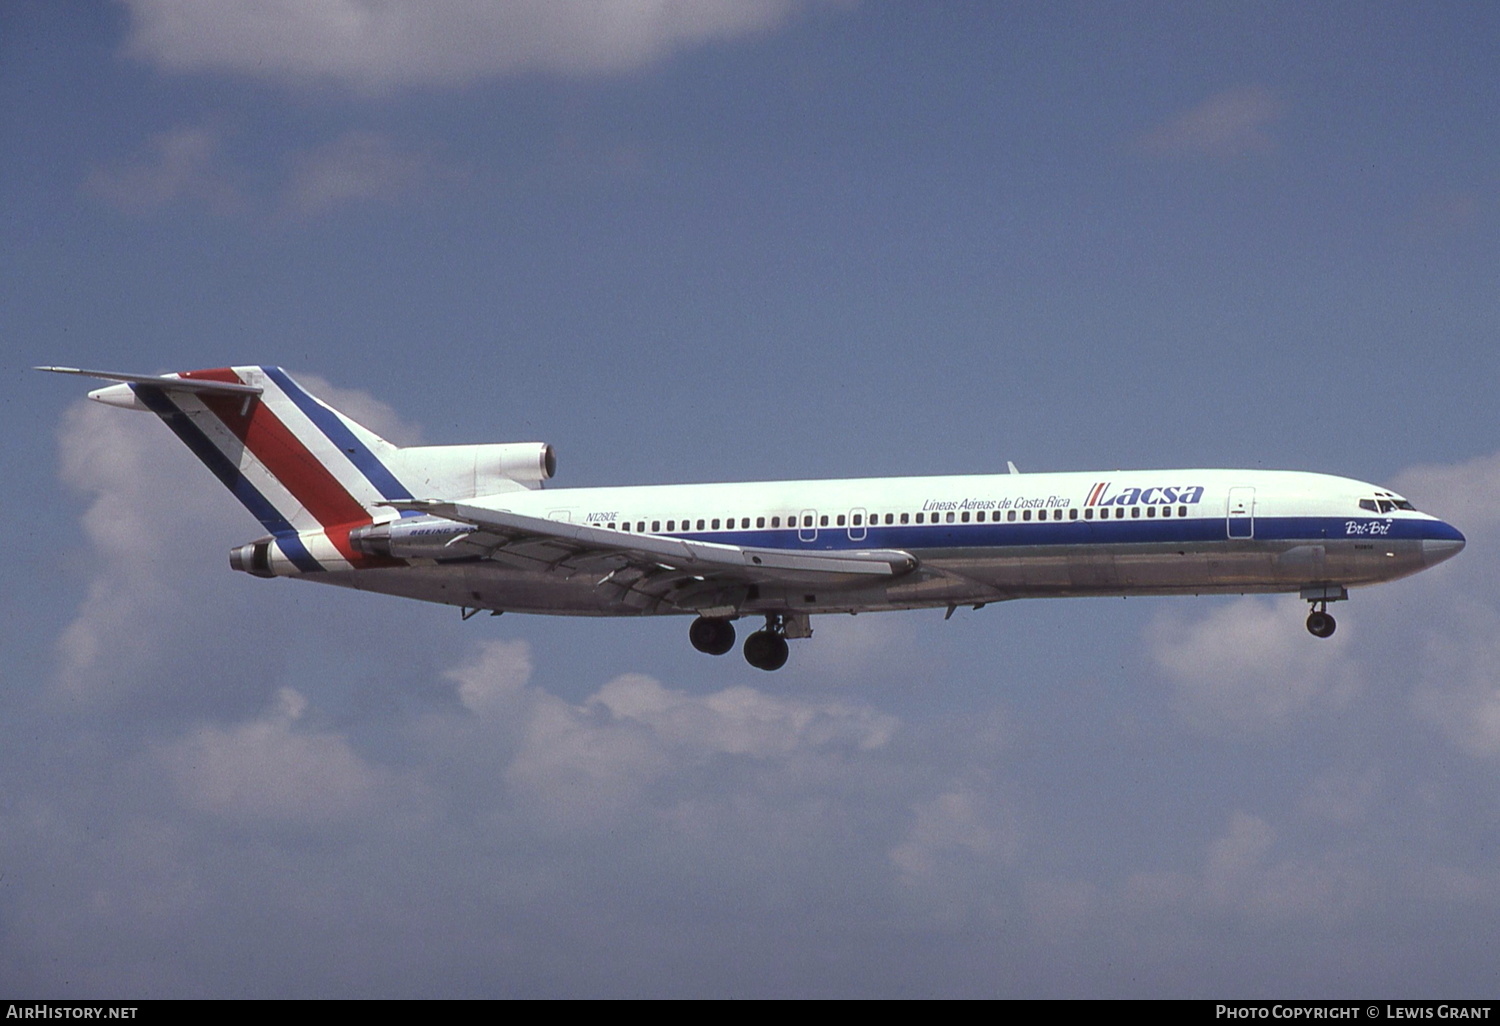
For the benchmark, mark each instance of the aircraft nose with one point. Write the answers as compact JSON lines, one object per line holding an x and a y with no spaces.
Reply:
{"x":1444,"y":543}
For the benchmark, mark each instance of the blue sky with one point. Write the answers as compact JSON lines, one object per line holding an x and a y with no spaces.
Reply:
{"x":715,"y":241}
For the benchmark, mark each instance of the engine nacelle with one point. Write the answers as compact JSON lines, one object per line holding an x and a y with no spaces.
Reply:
{"x":253,"y":559}
{"x":414,"y":538}
{"x":468,"y":471}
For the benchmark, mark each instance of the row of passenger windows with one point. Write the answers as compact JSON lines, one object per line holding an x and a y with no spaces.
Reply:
{"x":859,"y":519}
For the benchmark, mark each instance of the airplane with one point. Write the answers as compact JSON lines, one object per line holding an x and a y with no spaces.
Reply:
{"x":474,"y":526}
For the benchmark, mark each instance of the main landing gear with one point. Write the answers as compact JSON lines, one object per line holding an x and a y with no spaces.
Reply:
{"x":766,"y":649}
{"x":711,"y":635}
{"x":1320,"y":622}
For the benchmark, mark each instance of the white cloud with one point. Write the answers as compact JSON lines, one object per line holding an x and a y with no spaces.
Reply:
{"x":186,"y":167}
{"x":268,"y":769}
{"x":1241,"y":876}
{"x":363,"y":408}
{"x":1459,"y":672}
{"x":953,"y":822}
{"x":1249,"y":666}
{"x":742,"y":720}
{"x":581,"y":766}
{"x":1460,"y":679}
{"x":1465,"y":494}
{"x":377,"y":44}
{"x":149,"y":497}
{"x":1228,"y":124}
{"x":181,"y":165}
{"x":358,"y":166}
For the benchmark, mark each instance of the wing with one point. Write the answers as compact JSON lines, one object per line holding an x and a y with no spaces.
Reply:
{"x":651,"y":569}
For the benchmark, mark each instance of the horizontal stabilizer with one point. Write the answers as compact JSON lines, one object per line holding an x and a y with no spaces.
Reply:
{"x":169,"y":382}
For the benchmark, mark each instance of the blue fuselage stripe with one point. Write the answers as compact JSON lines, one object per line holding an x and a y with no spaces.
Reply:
{"x":1186,"y":531}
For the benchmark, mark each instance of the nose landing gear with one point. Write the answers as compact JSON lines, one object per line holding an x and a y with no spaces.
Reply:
{"x":1320,"y":623}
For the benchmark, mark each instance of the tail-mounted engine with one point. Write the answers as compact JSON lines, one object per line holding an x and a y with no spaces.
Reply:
{"x":253,"y":559}
{"x":417,"y":538}
{"x":468,"y":471}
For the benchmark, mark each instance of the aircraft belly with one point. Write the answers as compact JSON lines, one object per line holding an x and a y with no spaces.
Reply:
{"x":1230,"y":566}
{"x":485,"y":586}
{"x":946,"y":577}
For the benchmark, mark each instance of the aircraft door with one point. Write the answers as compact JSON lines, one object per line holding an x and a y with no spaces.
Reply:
{"x":1240,"y":515}
{"x":807,"y":526}
{"x":857,"y":518}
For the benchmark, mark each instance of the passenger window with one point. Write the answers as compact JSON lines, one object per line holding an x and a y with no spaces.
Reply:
{"x":625,"y":526}
{"x":1026,"y":514}
{"x":807,"y":520}
{"x":775,"y":521}
{"x":1072,"y":514}
{"x":841,"y":520}
{"x":641,"y":527}
{"x":920,"y":516}
{"x":904,"y":517}
{"x":890,"y":518}
{"x":965,"y":516}
{"x":823,"y":520}
{"x":1150,"y":512}
{"x":655,"y":526}
{"x":1088,"y":514}
{"x":1182,"y":511}
{"x":716,"y":523}
{"x":1011,"y":516}
{"x":760,"y":521}
{"x":858,"y":519}
{"x":1135,"y":511}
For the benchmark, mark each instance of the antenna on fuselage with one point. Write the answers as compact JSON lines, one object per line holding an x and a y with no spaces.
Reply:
{"x":1012,"y":467}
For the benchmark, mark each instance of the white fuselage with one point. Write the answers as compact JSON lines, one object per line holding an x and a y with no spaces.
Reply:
{"x":976,"y":539}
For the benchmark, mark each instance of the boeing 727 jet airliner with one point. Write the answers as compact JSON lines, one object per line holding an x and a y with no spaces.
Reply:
{"x":472,"y":526}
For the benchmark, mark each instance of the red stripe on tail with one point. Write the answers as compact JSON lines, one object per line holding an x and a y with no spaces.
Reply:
{"x":289,"y":461}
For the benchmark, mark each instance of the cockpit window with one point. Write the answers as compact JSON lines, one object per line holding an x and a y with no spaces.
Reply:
{"x":1385,"y":504}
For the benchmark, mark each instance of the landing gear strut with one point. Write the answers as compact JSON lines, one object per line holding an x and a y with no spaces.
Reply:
{"x":712,"y":635}
{"x":1320,"y":622}
{"x":766,"y":648}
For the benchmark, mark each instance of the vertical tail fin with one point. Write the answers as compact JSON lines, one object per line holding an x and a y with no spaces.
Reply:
{"x":304,"y":470}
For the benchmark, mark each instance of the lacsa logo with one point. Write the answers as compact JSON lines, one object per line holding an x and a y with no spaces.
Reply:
{"x":1167,"y":496}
